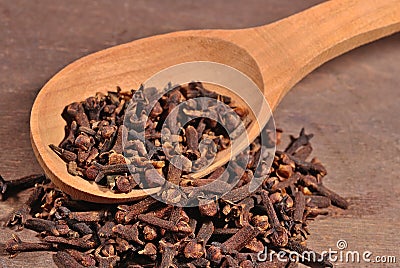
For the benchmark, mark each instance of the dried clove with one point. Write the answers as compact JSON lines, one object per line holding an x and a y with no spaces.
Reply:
{"x":195,"y":248}
{"x":88,"y":216}
{"x":19,"y":216}
{"x":136,"y":209}
{"x":279,"y":237}
{"x":15,"y":245}
{"x":225,"y":232}
{"x":318,"y":201}
{"x":299,"y":207}
{"x":128,"y":232}
{"x":241,"y":238}
{"x":19,"y":184}
{"x":296,"y":143}
{"x":95,"y":133}
{"x":64,"y":260}
{"x":322,"y":190}
{"x":81,"y":257}
{"x":41,"y":225}
{"x":84,"y":242}
{"x":164,"y":224}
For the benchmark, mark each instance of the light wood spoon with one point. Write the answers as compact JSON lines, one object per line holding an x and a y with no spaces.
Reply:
{"x":274,"y":56}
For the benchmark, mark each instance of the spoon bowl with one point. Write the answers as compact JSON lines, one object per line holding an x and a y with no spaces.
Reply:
{"x":126,"y":66}
{"x":274,"y":56}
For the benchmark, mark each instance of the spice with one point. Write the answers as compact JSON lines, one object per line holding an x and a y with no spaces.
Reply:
{"x":322,"y":190}
{"x":241,"y":238}
{"x":19,"y":184}
{"x":296,"y":143}
{"x":15,"y":245}
{"x":19,"y":216}
{"x":128,"y":232}
{"x":84,"y":243}
{"x":225,"y":232}
{"x":41,"y":225}
{"x":279,"y":236}
{"x":64,"y":259}
{"x":195,"y":248}
{"x":92,"y":147}
{"x":81,"y":257}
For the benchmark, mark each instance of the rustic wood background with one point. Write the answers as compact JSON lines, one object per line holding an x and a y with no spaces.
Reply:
{"x":350,"y":104}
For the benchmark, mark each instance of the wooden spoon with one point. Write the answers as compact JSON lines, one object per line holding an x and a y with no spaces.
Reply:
{"x":274,"y":56}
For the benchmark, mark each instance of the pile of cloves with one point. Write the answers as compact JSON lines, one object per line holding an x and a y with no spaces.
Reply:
{"x":98,"y":145}
{"x":230,"y":231}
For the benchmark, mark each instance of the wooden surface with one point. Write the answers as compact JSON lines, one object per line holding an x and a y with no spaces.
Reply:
{"x":350,"y":104}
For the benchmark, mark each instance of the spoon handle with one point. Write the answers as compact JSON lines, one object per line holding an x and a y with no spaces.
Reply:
{"x":322,"y":33}
{"x":289,"y":49}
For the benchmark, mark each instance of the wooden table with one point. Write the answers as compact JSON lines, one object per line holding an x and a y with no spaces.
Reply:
{"x":350,"y":104}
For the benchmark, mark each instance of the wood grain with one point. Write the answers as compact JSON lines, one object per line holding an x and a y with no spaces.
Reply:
{"x":350,"y":104}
